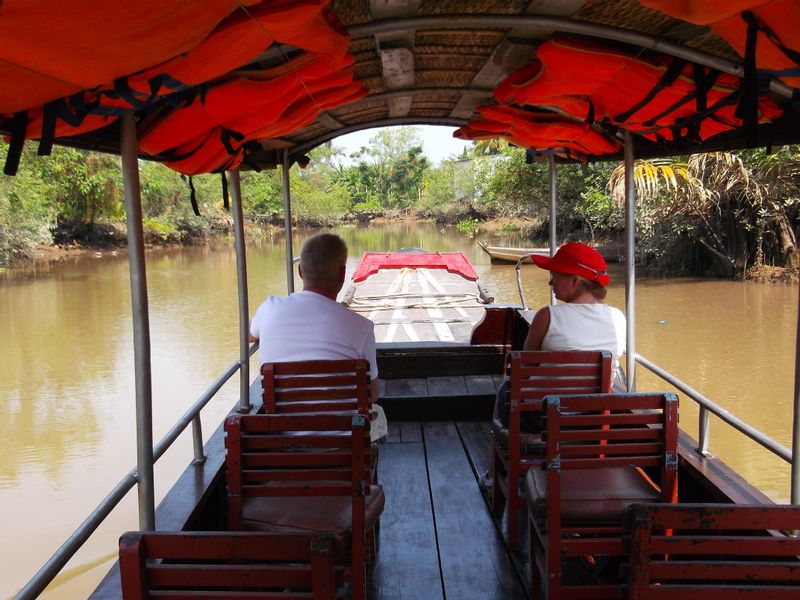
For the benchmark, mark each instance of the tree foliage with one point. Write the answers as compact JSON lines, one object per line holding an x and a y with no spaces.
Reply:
{"x":719,"y":211}
{"x":724,"y":211}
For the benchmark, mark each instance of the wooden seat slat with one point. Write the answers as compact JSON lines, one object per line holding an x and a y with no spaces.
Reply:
{"x":695,"y":516}
{"x":317,"y":406}
{"x":619,"y":450}
{"x":727,"y":545}
{"x":728,"y":592}
{"x":588,"y":420}
{"x":307,"y":367}
{"x":286,"y":423}
{"x":327,"y":379}
{"x":298,"y":442}
{"x":251,"y":477}
{"x":246,"y":575}
{"x":225,"y":595}
{"x":611,"y":434}
{"x":612,"y":402}
{"x":724,"y":570}
{"x":295,"y":459}
{"x":556,"y":386}
{"x":187,"y":545}
{"x":283,"y":490}
{"x":531,"y":374}
{"x":303,"y":394}
{"x":611,"y":462}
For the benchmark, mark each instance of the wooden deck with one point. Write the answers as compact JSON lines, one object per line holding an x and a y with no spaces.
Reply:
{"x":437,"y":537}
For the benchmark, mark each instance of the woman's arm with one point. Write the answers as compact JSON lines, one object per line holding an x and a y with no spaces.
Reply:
{"x":538,"y":329}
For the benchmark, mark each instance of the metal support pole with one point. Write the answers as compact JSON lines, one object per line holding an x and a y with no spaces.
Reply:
{"x":244,"y":307}
{"x":141,"y":325}
{"x":795,"y":495}
{"x":630,"y":265}
{"x":551,"y":163}
{"x":703,"y":429}
{"x":287,"y":224}
{"x":197,"y":441}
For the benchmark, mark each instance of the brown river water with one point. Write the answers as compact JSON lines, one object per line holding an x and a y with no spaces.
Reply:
{"x":67,"y":387}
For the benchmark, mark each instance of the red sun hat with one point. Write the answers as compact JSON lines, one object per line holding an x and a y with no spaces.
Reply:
{"x":575,"y":258}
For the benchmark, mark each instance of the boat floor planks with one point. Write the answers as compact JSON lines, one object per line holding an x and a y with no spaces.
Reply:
{"x":474,"y":560}
{"x":475,"y":436}
{"x":408,"y":563}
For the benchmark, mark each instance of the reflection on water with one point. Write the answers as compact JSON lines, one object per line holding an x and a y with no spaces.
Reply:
{"x":67,"y":390}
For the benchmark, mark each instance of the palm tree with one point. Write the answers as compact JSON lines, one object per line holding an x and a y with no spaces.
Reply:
{"x":731,"y":208}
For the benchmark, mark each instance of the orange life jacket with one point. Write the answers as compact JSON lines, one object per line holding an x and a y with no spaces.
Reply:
{"x":230,"y":100}
{"x":540,"y":131}
{"x":657,"y":96}
{"x":776,"y":21}
{"x":223,"y":148}
{"x":68,"y":55}
{"x":237,"y":40}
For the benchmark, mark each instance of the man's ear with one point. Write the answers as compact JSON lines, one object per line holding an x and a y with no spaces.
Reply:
{"x":300,"y":271}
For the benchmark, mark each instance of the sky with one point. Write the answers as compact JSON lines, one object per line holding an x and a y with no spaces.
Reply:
{"x":438,"y":142}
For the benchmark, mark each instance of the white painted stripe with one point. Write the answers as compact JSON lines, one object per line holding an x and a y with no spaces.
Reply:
{"x":442,"y":329}
{"x":439,"y":288}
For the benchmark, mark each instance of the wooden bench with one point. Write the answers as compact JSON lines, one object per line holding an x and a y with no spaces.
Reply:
{"x":732,"y":551}
{"x":316,"y":386}
{"x":597,"y":450}
{"x":303,"y":472}
{"x":227,"y":565}
{"x":532,"y":376}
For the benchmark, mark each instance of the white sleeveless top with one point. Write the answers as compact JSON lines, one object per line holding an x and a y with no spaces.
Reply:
{"x":586,"y":327}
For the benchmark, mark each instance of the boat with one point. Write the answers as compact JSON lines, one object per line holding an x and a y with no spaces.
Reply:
{"x":418,"y":296}
{"x":505,"y":254}
{"x":422,"y":64}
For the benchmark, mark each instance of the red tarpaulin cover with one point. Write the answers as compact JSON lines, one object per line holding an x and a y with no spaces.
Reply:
{"x":454,"y":262}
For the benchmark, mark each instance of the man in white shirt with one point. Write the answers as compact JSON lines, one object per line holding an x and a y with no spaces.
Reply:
{"x":311,"y":325}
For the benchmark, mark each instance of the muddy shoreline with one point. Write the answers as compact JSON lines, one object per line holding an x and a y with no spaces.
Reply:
{"x":111,"y":240}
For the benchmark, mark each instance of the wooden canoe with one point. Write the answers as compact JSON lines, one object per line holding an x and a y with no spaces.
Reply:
{"x":503,"y":254}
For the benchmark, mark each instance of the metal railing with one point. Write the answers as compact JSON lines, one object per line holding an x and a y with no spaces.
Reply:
{"x":707,"y":406}
{"x":53,"y":566}
{"x":518,"y":269}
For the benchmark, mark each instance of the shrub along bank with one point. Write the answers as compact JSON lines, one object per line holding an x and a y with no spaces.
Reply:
{"x":722,"y":213}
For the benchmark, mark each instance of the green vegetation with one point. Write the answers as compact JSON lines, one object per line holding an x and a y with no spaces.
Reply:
{"x":718,"y":213}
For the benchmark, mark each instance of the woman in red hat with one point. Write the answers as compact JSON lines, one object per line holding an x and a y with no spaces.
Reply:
{"x":578,"y":276}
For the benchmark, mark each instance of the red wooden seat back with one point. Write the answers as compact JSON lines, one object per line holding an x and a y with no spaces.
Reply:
{"x":304,"y":455}
{"x":315,"y":386}
{"x":226,"y":565}
{"x":734,"y":551}
{"x":618,"y":437}
{"x":295,"y":455}
{"x":533,"y":375}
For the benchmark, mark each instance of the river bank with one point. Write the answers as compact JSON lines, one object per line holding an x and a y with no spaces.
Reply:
{"x":75,"y":240}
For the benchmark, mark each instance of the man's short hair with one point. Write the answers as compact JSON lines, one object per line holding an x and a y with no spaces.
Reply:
{"x":322,"y":257}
